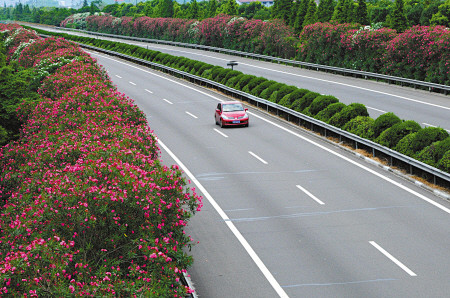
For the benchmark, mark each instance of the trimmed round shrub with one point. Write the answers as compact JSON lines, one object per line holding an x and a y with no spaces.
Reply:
{"x":252,"y":84}
{"x":391,"y":136}
{"x":326,"y":114}
{"x":243,"y":81}
{"x":271,"y":89}
{"x":348,"y":113}
{"x":261,"y":87}
{"x":361,"y":126}
{"x":215,"y":71}
{"x":301,"y":104}
{"x":188,"y":65}
{"x":167,"y":60}
{"x":426,"y":136}
{"x":384,"y":122}
{"x":404,"y":145}
{"x":160,"y":57}
{"x":229,"y":75}
{"x":221,"y":74}
{"x":233,"y":80}
{"x":203,"y":68}
{"x":288,"y":99}
{"x":197,"y":65}
{"x":321,"y":102}
{"x":285,"y":90}
{"x":434,"y":153}
{"x":444,"y":163}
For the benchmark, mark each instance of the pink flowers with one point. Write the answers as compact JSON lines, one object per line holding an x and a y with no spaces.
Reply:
{"x":83,"y":145}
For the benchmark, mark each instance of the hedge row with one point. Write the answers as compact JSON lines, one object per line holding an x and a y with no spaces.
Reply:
{"x":87,"y":208}
{"x":387,"y":130}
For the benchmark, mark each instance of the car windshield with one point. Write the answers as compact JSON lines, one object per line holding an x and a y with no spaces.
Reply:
{"x":232,"y":107}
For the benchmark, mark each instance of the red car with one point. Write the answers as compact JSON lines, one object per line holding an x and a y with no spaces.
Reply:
{"x":231,"y":113}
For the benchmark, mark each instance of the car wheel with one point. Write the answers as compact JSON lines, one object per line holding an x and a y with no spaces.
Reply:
{"x":246,"y":125}
{"x":221,"y":123}
{"x":217,"y":123}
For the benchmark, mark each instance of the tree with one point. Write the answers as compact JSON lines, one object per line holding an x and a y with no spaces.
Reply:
{"x":361,"y":13}
{"x":166,"y":8}
{"x":442,"y":17}
{"x":311,"y":16}
{"x":212,"y":8}
{"x":230,"y":8}
{"x":397,"y":19}
{"x":282,"y":10}
{"x":300,"y":18}
{"x":325,"y":10}
{"x":193,"y":10}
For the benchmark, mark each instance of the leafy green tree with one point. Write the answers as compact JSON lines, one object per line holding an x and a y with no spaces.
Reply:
{"x":427,"y":14}
{"x":311,"y":16}
{"x":325,"y":10}
{"x":300,"y":17}
{"x":342,"y":12}
{"x":282,"y":10}
{"x":361,"y":13}
{"x":212,"y":8}
{"x":230,"y":8}
{"x":193,"y":10}
{"x":166,"y":8}
{"x":414,"y":11}
{"x":397,"y":19}
{"x":442,"y":17}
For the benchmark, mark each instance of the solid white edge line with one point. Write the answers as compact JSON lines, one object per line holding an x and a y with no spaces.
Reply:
{"x":258,"y":158}
{"x":168,"y":101}
{"x":218,"y":131}
{"x":276,"y":286}
{"x":310,"y":195}
{"x":299,"y":136}
{"x":134,"y":84}
{"x":393,"y":259}
{"x":148,"y":91}
{"x":192,"y":115}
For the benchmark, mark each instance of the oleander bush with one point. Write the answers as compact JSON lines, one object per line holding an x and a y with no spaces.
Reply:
{"x":87,"y":207}
{"x":391,"y":136}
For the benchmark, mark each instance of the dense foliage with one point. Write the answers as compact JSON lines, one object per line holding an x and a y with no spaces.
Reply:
{"x":87,"y":208}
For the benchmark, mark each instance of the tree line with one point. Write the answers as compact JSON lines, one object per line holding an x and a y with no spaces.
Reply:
{"x":398,"y":14}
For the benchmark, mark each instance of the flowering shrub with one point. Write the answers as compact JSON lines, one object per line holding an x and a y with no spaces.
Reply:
{"x":420,"y":53}
{"x":87,"y":209}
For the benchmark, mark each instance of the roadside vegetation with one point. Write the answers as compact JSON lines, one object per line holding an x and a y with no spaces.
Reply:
{"x":430,"y":145}
{"x":87,"y":208}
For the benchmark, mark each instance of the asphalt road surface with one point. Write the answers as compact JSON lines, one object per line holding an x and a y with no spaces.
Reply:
{"x":428,"y":109}
{"x":286,"y":213}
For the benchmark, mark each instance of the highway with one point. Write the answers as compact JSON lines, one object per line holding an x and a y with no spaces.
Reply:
{"x":287,"y":213}
{"x":428,"y":109}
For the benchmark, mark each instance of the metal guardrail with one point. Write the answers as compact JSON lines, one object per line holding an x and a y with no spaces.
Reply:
{"x":344,"y":71}
{"x":413,"y":166}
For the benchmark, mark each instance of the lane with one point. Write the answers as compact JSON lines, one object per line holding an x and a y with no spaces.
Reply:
{"x":311,"y":249}
{"x":429,"y":109}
